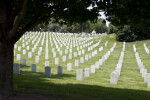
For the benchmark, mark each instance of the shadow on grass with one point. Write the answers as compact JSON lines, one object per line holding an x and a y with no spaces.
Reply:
{"x":41,"y":75}
{"x":36,"y":83}
{"x":23,"y":66}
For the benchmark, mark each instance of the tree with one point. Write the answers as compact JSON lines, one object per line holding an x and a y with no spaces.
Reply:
{"x":19,"y":16}
{"x":111,"y":29}
{"x":126,"y":12}
{"x":99,"y":27}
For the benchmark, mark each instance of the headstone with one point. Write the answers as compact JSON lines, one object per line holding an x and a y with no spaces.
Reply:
{"x":25,"y":62}
{"x":15,"y":46}
{"x":19,"y":48}
{"x":40,"y":49}
{"x":97,"y":65}
{"x":39,"y":53}
{"x":29,"y":54}
{"x":16,"y":68}
{"x":113,"y":78}
{"x":79,"y":75}
{"x":47,"y":71}
{"x":70,"y":56}
{"x":146,"y":78}
{"x":70,"y":50}
{"x":79,"y":53}
{"x":86,"y":57}
{"x":76,"y":62}
{"x":93,"y":69}
{"x":56,"y":61}
{"x":33,"y":68}
{"x":46,"y":63}
{"x":24,"y":51}
{"x":87,"y":72}
{"x":46,"y":56}
{"x":93,"y":54}
{"x":64,"y":58}
{"x":66,"y":51}
{"x":59,"y":70}
{"x":75,"y":54}
{"x":54,"y":54}
{"x":18,"y":57}
{"x":37,"y":59}
{"x":81,"y":59}
{"x":148,"y":83}
{"x":143,"y":73}
{"x":28,"y":47}
{"x":100,"y":62}
{"x":83,"y":52}
{"x":60,"y":53}
{"x":33,"y":49}
{"x":90,"y":56}
{"x":69,"y":67}
{"x":53,"y":49}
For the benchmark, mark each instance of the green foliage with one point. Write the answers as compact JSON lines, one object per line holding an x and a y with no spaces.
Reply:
{"x":70,"y":11}
{"x":99,"y":26}
{"x":130,"y":34}
{"x":111,"y":29}
{"x":127,"y":12}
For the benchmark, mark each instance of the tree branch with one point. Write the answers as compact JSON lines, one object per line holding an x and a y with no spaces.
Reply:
{"x":35,"y":23}
{"x":18,"y":21}
{"x":13,"y":16}
{"x":39,"y":21}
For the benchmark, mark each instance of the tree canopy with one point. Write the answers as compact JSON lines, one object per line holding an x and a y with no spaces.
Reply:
{"x":99,"y":26}
{"x":127,"y":12}
{"x":19,"y":16}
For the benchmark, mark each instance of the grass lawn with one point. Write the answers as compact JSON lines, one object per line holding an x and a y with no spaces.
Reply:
{"x":130,"y":85}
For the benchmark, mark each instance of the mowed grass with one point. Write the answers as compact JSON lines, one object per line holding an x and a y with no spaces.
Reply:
{"x":130,"y":85}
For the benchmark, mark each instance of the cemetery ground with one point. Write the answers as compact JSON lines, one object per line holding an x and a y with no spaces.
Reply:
{"x":130,"y":84}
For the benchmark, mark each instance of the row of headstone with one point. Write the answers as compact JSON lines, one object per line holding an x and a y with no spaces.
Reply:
{"x":79,"y":74}
{"x":38,"y":52}
{"x":143,"y":71}
{"x":17,"y":68}
{"x":57,"y":60}
{"x":34,"y":69}
{"x":87,"y":71}
{"x":114,"y":76}
{"x":146,"y":49}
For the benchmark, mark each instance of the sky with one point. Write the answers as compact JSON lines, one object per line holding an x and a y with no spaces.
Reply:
{"x":104,"y":17}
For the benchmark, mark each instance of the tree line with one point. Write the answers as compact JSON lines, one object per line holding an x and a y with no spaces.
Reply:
{"x":99,"y":26}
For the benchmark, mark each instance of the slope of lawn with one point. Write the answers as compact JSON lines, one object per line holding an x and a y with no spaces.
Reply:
{"x":130,"y":85}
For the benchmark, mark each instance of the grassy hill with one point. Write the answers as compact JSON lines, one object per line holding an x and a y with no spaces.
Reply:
{"x":130,"y":85}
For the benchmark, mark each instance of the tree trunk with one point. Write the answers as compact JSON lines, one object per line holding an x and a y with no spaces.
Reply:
{"x":6,"y":68}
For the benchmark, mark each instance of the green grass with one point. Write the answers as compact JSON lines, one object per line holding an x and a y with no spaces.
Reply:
{"x":130,"y":85}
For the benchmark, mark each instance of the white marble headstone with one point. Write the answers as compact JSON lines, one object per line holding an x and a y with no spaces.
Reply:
{"x":69,"y":67}
{"x":92,"y":68}
{"x":37,"y":59}
{"x":46,"y":63}
{"x":79,"y":75}
{"x":87,"y":72}
{"x":29,"y":54}
{"x":56,"y":61}
{"x":18,"y":57}
{"x":76,"y":62}
{"x":64,"y":58}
